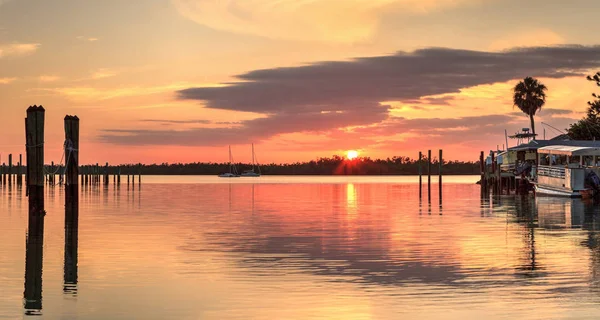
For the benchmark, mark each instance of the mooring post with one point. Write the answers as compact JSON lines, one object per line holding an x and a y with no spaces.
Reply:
{"x":140,"y":175}
{"x":10,"y":169}
{"x":482,"y":172}
{"x":71,"y":203}
{"x":429,"y":175}
{"x":119,"y":176}
{"x":441,"y":163}
{"x":106,"y":174}
{"x":20,"y":173}
{"x":420,"y":175}
{"x":34,"y":134}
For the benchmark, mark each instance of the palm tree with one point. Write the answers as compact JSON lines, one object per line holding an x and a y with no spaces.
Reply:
{"x":530,"y":96}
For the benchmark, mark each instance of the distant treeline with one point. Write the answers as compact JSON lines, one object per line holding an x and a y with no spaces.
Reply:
{"x":335,"y":165}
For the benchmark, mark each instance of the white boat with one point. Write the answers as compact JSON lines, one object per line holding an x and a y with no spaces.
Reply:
{"x":568,"y":171}
{"x":252,"y":173}
{"x":232,"y":169}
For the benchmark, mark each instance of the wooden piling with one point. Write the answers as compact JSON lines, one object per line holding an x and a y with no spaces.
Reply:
{"x":119,"y":176}
{"x":441,"y":163}
{"x":106,"y":174}
{"x":420,"y":175}
{"x":140,"y":175}
{"x":429,"y":176}
{"x":20,"y":171}
{"x":482,"y":172}
{"x":10,"y":169}
{"x":34,"y":133}
{"x":71,"y":203}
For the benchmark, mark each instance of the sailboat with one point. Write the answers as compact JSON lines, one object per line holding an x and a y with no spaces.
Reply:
{"x":252,"y":173}
{"x":232,"y":170}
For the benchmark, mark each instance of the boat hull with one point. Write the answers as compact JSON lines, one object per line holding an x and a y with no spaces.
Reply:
{"x":250,"y":175}
{"x":228,"y":175}
{"x":559,"y":192}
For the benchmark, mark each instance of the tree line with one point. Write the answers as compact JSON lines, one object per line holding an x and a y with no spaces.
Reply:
{"x":335,"y":165}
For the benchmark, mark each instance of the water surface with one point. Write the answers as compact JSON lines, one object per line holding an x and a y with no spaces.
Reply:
{"x":305,"y":248}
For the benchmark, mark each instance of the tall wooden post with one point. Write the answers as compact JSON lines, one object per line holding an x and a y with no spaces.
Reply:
{"x":106,"y":174}
{"x":140,"y":175}
{"x":20,"y":171}
{"x":429,"y":175}
{"x":34,"y":133}
{"x":441,"y":163}
{"x":10,"y":169}
{"x":3,"y":173}
{"x":482,"y":172}
{"x":420,"y":175}
{"x":119,"y":176}
{"x":71,"y":203}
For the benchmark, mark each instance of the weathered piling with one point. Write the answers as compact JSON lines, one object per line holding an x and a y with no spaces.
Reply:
{"x":482,"y":180}
{"x":10,"y":169}
{"x":4,"y":173}
{"x":34,"y":133}
{"x":140,"y":175}
{"x":71,"y":203}
{"x":441,"y":163}
{"x":20,"y":170}
{"x":106,"y":174}
{"x":420,"y":175}
{"x":119,"y":176}
{"x":429,"y":175}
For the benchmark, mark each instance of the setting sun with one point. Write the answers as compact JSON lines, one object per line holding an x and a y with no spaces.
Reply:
{"x":352,"y":154}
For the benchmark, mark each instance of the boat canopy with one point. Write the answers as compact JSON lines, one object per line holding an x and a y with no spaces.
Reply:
{"x":570,"y":150}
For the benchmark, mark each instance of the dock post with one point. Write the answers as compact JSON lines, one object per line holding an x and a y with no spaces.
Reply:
{"x":429,"y":176}
{"x":34,"y":134}
{"x":441,"y":163}
{"x":20,"y":171}
{"x":71,"y":203}
{"x":420,"y":175}
{"x":106,"y":175}
{"x":119,"y":176}
{"x":10,"y":170}
{"x":140,"y":175}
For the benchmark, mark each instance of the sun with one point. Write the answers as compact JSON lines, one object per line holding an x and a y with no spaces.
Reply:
{"x":352,"y":154}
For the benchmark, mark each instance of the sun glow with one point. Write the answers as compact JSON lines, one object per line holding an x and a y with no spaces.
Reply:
{"x":352,"y":154}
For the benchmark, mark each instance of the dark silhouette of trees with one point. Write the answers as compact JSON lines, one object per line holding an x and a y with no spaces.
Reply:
{"x":334,"y":165}
{"x":588,"y":128}
{"x":529,"y":96}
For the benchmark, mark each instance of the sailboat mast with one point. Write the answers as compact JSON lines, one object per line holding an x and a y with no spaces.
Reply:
{"x":230,"y":164}
{"x":253,"y":157}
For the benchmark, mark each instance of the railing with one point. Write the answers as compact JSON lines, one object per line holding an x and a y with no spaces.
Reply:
{"x":554,"y":172}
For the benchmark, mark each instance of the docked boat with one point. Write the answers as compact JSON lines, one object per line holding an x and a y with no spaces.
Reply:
{"x":232,"y":169}
{"x":568,"y":171}
{"x":252,"y":173}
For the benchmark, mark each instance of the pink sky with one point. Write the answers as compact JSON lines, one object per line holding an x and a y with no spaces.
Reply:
{"x":179,"y":80}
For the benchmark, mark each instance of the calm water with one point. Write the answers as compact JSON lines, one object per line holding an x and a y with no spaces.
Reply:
{"x":306,"y":248}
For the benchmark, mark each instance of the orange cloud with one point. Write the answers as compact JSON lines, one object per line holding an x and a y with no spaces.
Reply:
{"x":7,"y":80}
{"x":535,"y":38}
{"x":18,"y":49}
{"x":321,"y":20}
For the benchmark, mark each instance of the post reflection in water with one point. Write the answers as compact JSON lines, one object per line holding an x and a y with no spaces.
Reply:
{"x":71,"y":239}
{"x":33,"y":265}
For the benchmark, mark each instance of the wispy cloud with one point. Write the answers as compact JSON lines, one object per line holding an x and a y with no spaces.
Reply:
{"x":89,"y":93}
{"x":89,"y":39}
{"x":7,"y":80}
{"x":18,"y":49}
{"x":163,"y":121}
{"x":529,"y":38}
{"x":104,"y":73}
{"x":48,"y":78}
{"x":326,"y":20}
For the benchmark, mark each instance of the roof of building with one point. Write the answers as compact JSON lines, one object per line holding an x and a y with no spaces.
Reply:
{"x":537,"y":144}
{"x":572,"y":150}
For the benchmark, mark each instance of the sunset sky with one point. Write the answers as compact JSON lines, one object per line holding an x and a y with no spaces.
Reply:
{"x":179,"y":80}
